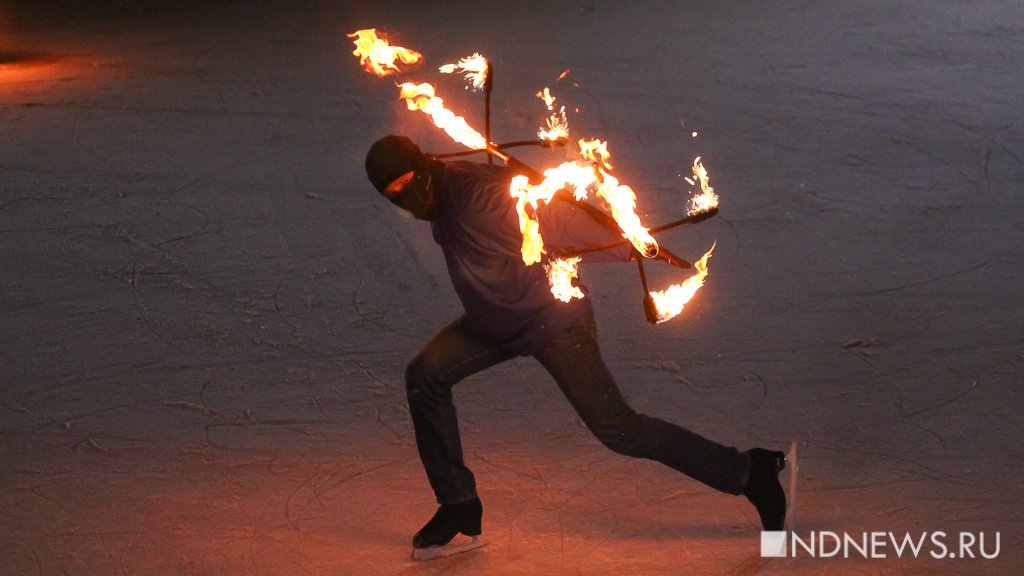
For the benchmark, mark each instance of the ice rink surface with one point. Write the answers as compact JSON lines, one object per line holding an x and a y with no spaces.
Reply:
{"x":205,"y":309}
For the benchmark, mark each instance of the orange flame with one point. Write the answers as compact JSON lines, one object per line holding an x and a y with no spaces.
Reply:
{"x":620,"y":198}
{"x":474,"y":67}
{"x":377,"y":56}
{"x":707,"y":199}
{"x":671,"y":301}
{"x":421,"y":97}
{"x":561,"y":273}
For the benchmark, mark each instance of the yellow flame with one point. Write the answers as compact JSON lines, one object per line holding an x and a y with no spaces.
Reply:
{"x":548,"y":99}
{"x":561,"y":273}
{"x":707,"y":199}
{"x":556,"y":126}
{"x":597,"y":152}
{"x":529,"y":226}
{"x":579,"y":177}
{"x":421,"y":97}
{"x":529,"y":197}
{"x":377,"y":56}
{"x":620,"y":198}
{"x":671,"y":301}
{"x":622,"y":201}
{"x":474,"y":68}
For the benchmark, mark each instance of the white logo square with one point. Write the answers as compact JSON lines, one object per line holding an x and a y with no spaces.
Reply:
{"x":773,"y":544}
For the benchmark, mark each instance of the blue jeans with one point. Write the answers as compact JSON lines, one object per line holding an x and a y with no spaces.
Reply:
{"x":574,"y":361}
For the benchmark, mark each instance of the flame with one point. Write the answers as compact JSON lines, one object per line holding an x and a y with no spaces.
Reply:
{"x":548,"y":99}
{"x":377,"y":56}
{"x":529,"y":226}
{"x":622,"y":201}
{"x":596,"y":151}
{"x":581,"y":178}
{"x":620,"y":198}
{"x":556,"y":127}
{"x":475,"y":68}
{"x":671,"y":301}
{"x":578,"y":177}
{"x":561,"y":273}
{"x":421,"y":97}
{"x":707,"y":199}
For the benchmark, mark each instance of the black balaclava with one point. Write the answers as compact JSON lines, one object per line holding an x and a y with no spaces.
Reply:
{"x":392,"y":157}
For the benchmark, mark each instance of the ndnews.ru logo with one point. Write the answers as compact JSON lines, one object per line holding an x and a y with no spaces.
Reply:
{"x":872,"y":545}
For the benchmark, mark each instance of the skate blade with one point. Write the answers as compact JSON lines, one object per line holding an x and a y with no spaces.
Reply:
{"x":458,"y":545}
{"x":790,"y":521}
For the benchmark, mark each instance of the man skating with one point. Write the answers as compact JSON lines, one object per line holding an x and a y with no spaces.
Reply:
{"x":509,"y":312}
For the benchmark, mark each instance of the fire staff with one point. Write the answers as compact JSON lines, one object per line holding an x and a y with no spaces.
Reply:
{"x":509,"y":312}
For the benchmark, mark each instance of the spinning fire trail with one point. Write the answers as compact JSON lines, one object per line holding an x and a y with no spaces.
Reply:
{"x":530,"y":189}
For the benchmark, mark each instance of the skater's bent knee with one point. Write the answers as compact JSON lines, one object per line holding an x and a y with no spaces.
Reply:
{"x":415,"y":374}
{"x":420,"y":376}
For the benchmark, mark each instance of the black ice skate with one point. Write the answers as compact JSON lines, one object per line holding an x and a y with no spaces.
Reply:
{"x":763,"y":488}
{"x":438,"y":537}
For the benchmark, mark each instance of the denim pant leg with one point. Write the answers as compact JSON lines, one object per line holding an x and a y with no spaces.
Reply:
{"x":575,"y":362}
{"x":456,"y":352}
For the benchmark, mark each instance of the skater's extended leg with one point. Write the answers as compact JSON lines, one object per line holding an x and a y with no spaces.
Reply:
{"x":453,"y":354}
{"x":575,"y":362}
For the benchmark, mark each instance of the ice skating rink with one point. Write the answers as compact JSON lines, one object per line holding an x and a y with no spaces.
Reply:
{"x":205,"y":309}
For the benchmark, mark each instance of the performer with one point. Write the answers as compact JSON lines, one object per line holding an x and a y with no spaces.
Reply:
{"x":509,"y":311}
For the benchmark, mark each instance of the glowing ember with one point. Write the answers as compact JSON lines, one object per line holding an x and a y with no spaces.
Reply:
{"x":561,"y":273}
{"x":707,"y":199}
{"x":421,"y":97}
{"x":474,"y":68}
{"x":377,"y":56}
{"x":556,"y":126}
{"x":671,"y":301}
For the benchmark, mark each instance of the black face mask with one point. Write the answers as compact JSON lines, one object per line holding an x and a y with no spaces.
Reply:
{"x":418,"y":196}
